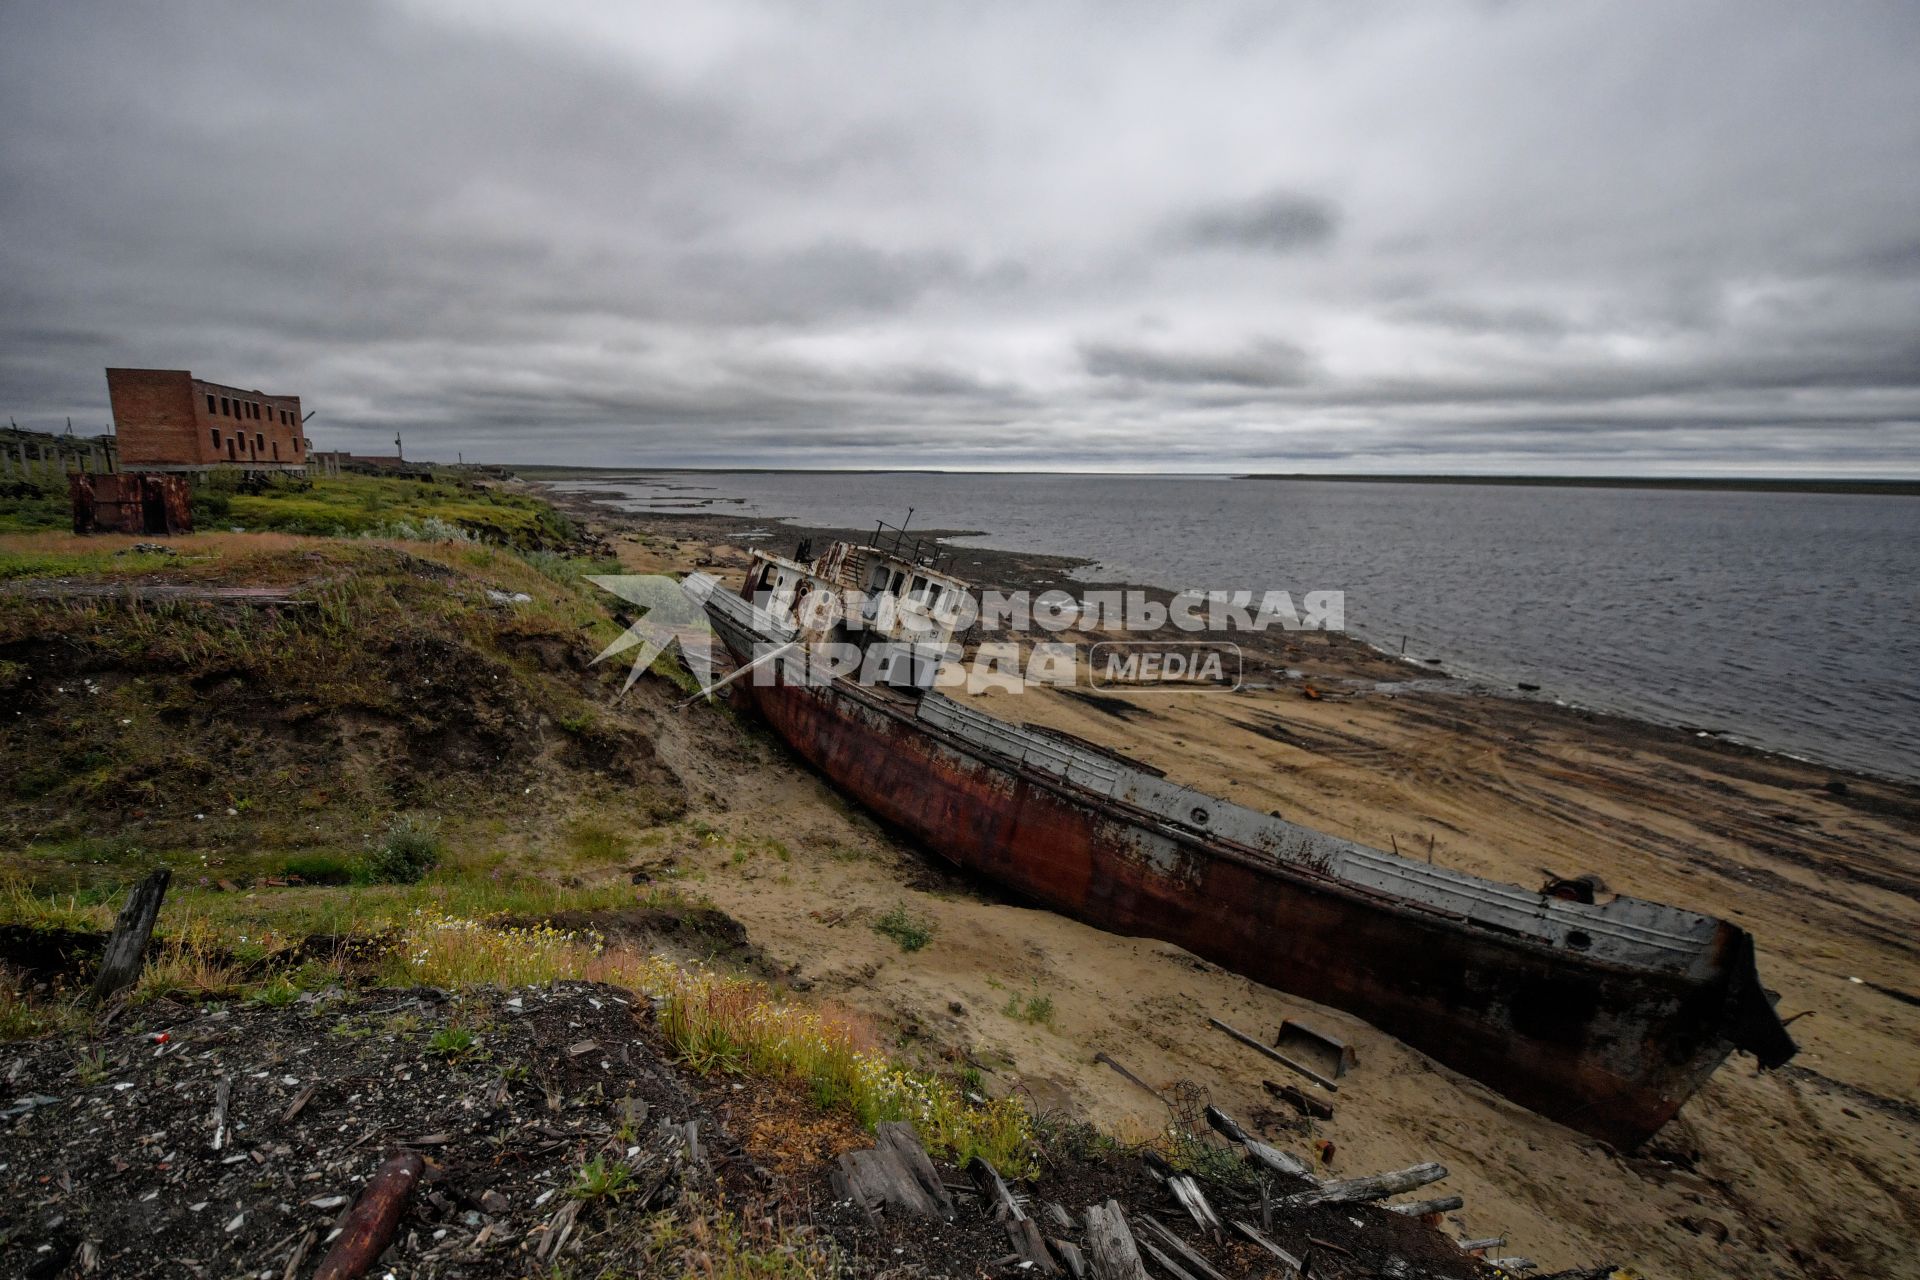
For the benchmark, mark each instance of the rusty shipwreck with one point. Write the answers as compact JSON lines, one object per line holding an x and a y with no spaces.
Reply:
{"x":1604,"y":1016}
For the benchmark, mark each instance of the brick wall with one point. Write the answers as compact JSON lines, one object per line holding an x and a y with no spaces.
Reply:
{"x":153,"y":417}
{"x":168,"y":417}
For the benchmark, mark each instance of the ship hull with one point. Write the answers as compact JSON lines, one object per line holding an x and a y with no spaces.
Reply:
{"x":1607,"y":1049}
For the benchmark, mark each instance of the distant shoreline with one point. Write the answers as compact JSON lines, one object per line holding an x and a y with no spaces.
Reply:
{"x":1883,"y":488}
{"x":1878,"y":488}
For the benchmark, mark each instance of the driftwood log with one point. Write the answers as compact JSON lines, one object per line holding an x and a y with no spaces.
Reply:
{"x":1373,"y":1187}
{"x":1272,"y":1157}
{"x":127,"y":947}
{"x":374,"y":1219}
{"x":1110,"y":1249}
{"x":1421,"y":1208}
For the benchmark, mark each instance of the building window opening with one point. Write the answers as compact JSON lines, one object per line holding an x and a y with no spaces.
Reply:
{"x":226,"y":407}
{"x":215,"y":433}
{"x":276,"y":451}
{"x":210,"y":406}
{"x":259,"y":442}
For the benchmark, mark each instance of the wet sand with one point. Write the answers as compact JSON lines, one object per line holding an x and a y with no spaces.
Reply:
{"x":1810,"y":1170}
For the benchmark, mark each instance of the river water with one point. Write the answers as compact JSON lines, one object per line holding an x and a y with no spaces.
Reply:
{"x":1788,"y":621}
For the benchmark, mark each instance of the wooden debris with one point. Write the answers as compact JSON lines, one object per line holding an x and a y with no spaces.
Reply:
{"x":1374,"y":1187}
{"x":1166,"y":1264}
{"x":1277,"y":1056}
{"x":374,"y":1218}
{"x":299,"y":1255}
{"x":1071,"y":1258}
{"x":1253,"y":1234}
{"x":555,"y":1233}
{"x":1299,"y":1100}
{"x":1481,"y":1246}
{"x":126,"y":948}
{"x":1022,"y":1231}
{"x":1129,"y":1076}
{"x":1193,"y":1262}
{"x":1514,"y":1265}
{"x":1194,"y":1201}
{"x":1272,"y":1157}
{"x":299,"y":1103}
{"x":893,"y":1174}
{"x":1421,"y":1208}
{"x":1110,"y":1247}
{"x":222,"y":1096}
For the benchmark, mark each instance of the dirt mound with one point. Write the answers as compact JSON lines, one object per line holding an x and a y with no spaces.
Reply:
{"x":390,"y":681}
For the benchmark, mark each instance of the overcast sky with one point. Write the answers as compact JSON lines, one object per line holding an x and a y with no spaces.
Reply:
{"x":1664,"y":238}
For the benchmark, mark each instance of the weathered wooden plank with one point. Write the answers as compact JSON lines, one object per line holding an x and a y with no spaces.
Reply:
{"x":1165,"y":1263}
{"x":374,"y":1219}
{"x":1374,"y":1187}
{"x":127,"y":947}
{"x":1254,"y":1234}
{"x":1110,"y":1247}
{"x":1194,"y":1201}
{"x":1070,"y":1257}
{"x":1421,"y":1208}
{"x":1180,"y":1248}
{"x":1272,"y":1157}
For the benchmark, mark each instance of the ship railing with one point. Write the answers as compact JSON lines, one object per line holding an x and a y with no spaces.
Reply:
{"x":890,"y":539}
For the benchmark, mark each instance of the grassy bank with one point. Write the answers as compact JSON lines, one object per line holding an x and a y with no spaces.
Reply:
{"x":406,"y":771}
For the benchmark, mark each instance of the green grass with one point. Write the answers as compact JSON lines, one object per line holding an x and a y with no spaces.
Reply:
{"x":377,"y":506}
{"x":601,"y":1179}
{"x":39,"y":504}
{"x":1033,"y":1008}
{"x":911,"y":931}
{"x":451,"y":1042}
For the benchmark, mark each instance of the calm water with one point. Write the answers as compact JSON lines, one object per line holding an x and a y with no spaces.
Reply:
{"x":1790,"y":621}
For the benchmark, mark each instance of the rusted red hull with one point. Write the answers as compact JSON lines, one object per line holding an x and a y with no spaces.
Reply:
{"x":1606,"y":1049}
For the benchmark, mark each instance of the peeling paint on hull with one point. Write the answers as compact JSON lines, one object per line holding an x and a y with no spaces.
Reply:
{"x":1609,"y":1049}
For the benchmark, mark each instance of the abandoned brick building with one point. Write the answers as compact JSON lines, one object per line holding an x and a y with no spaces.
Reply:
{"x":169,"y":420}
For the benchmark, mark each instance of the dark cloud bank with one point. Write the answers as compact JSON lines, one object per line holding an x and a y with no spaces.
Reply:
{"x":1677,"y":239}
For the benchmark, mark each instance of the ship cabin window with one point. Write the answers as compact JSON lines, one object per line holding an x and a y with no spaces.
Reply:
{"x":899,"y":576}
{"x":877,"y":578}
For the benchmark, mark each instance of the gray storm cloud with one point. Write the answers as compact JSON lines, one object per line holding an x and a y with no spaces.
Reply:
{"x":1461,"y":237}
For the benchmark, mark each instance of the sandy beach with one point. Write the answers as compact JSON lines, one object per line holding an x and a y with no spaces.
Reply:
{"x":1809,"y":1170}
